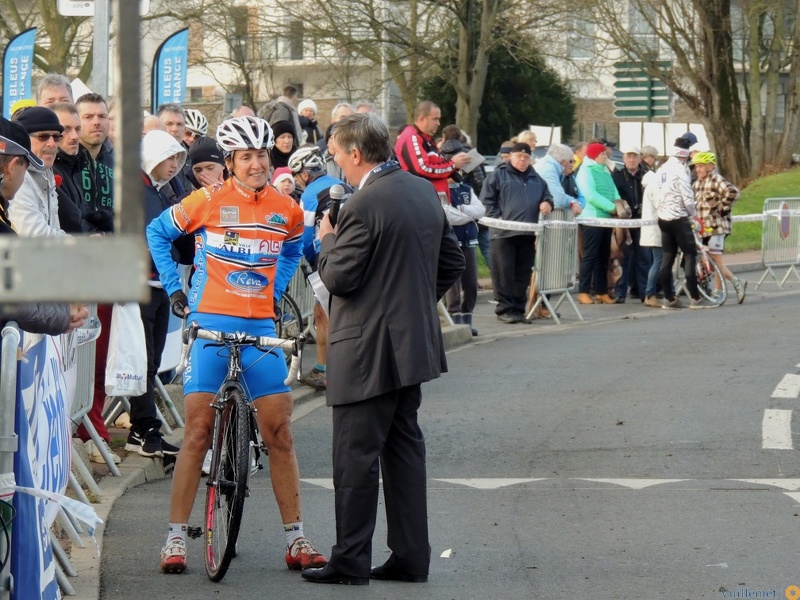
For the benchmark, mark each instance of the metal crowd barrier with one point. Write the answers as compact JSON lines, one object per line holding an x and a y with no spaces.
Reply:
{"x":780,"y":238}
{"x":556,"y":262}
{"x":8,"y":440}
{"x":81,"y":404}
{"x":302,"y":293}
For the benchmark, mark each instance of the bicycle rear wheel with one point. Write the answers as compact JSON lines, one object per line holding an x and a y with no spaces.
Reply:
{"x":227,"y":483}
{"x":708,"y":273}
{"x":288,"y":321}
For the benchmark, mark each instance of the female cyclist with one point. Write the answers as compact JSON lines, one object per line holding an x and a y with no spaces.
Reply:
{"x":248,"y":240}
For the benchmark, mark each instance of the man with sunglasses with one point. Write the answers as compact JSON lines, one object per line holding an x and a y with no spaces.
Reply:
{"x":34,"y":209}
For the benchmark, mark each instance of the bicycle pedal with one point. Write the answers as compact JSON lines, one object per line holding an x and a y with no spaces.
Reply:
{"x":194,"y":532}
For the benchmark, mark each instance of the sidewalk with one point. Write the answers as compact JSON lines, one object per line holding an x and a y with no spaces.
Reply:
{"x":136,"y":469}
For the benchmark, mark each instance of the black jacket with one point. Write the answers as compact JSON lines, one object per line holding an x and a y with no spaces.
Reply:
{"x":630,"y":188}
{"x":157,"y":201}
{"x":514,"y":196}
{"x":72,"y":206}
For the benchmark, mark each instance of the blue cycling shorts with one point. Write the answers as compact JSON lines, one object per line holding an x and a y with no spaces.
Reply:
{"x":263,"y":372}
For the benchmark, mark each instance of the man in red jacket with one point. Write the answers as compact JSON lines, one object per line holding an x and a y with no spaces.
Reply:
{"x":417,"y":153}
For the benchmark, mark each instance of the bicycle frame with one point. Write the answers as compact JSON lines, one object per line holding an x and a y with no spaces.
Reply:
{"x":234,"y":440}
{"x":708,"y":273}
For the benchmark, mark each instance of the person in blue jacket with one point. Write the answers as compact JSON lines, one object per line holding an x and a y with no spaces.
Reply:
{"x":308,"y":167}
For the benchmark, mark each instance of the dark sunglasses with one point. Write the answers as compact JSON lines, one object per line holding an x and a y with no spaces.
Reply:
{"x":43,"y":137}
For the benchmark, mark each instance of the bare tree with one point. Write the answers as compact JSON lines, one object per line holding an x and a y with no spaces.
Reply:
{"x":698,"y":37}
{"x":62,"y":43}
{"x":417,"y":39}
{"x":771,"y":57}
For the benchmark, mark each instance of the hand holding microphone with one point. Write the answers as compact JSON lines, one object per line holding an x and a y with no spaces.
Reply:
{"x":337,"y":194}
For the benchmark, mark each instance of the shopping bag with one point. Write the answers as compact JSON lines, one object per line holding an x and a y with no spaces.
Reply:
{"x":126,"y":366}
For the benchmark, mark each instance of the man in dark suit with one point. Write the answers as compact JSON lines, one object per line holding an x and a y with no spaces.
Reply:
{"x":391,"y":258}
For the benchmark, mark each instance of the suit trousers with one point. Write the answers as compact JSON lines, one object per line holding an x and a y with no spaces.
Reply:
{"x":383,"y":430}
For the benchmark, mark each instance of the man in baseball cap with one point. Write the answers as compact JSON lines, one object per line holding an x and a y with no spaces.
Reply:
{"x":34,"y":209}
{"x":15,"y":133}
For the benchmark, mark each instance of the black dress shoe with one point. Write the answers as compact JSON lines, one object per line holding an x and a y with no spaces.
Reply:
{"x":520,"y":318}
{"x":507,"y":318}
{"x":327,"y":574}
{"x":388,"y":572}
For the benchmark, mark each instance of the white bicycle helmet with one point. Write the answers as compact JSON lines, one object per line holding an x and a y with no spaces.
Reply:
{"x":307,"y":158}
{"x":244,"y":133}
{"x":195,"y":121}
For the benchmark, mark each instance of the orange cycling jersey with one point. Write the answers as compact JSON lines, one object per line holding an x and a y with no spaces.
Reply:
{"x":248,"y":245}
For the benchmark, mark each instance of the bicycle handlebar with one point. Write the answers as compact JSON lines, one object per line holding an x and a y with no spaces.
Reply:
{"x":194,"y":331}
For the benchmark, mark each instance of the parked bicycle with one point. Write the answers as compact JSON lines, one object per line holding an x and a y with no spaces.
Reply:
{"x":236,"y":448}
{"x":709,"y":275}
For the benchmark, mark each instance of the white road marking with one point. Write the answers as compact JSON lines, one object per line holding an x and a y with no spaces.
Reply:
{"x":776,"y":429}
{"x":487,"y":484}
{"x":324,"y":483}
{"x":634,"y":484}
{"x":786,"y":484}
{"x":720,"y":565}
{"x":789,"y":387}
{"x":446,"y":553}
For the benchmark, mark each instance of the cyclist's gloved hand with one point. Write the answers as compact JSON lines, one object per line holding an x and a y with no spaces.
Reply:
{"x":179,"y":303}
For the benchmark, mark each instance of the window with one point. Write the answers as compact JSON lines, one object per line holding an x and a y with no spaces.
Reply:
{"x":238,"y":34}
{"x":195,"y":94}
{"x":580,"y":38}
{"x":296,"y":40}
{"x":642,"y":19}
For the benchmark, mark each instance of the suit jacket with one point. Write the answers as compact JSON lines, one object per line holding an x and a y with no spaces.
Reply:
{"x":393,"y":257}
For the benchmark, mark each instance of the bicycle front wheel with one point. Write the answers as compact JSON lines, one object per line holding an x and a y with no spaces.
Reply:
{"x":227,"y":483}
{"x":708,"y":274}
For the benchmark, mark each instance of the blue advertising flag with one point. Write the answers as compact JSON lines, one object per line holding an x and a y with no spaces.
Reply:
{"x":17,"y":69}
{"x":169,"y":69}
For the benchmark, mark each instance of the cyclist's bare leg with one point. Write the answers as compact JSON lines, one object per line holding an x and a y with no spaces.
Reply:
{"x":196,"y":442}
{"x":321,"y":328}
{"x":726,"y":272}
{"x":274,"y":417}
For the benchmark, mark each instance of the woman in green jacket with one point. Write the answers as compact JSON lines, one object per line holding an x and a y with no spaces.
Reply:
{"x":597,"y":192}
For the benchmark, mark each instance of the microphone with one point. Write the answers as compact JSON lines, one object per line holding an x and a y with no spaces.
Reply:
{"x":337,"y":195}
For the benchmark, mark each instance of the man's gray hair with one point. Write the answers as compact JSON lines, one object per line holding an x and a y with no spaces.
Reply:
{"x":53,"y":80}
{"x":335,"y":116}
{"x":649,"y":151}
{"x":170,"y":107}
{"x":368,"y":133}
{"x":561,"y":152}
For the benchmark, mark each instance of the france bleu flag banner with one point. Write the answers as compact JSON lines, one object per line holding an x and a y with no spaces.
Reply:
{"x":45,"y":386}
{"x":169,"y":70}
{"x":17,"y":69}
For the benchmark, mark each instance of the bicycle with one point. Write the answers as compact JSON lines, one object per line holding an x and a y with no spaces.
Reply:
{"x":235,"y":442}
{"x":289,"y":321}
{"x":708,"y":272}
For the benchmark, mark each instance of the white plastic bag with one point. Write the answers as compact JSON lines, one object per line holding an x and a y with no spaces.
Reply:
{"x":126,"y":367}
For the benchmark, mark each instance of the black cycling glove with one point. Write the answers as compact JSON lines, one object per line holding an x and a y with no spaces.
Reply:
{"x":178,"y":302}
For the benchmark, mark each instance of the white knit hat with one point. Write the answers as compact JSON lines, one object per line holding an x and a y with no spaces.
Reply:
{"x":307,"y":103}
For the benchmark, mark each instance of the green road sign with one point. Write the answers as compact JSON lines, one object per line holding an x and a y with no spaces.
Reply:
{"x":661,"y":64}
{"x":641,"y":113}
{"x":642,"y":93}
{"x":642,"y":103}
